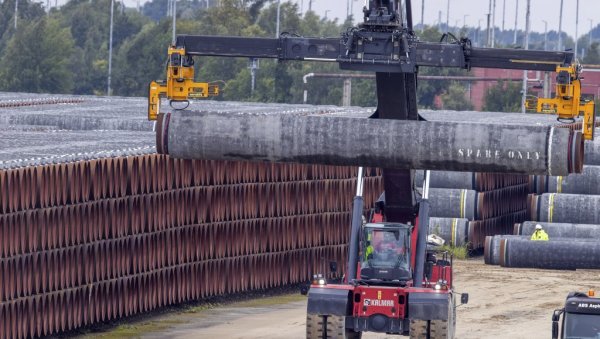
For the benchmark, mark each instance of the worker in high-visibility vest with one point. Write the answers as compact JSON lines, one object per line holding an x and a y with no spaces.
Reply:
{"x":539,"y":234}
{"x":369,"y":250}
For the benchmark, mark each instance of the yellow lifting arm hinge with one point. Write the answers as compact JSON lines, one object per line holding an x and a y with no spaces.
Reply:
{"x":180,"y":85}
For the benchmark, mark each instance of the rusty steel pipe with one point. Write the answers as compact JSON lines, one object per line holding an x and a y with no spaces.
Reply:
{"x":336,"y":140}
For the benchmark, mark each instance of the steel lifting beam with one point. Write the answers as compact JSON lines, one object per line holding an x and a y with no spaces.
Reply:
{"x":456,"y":55}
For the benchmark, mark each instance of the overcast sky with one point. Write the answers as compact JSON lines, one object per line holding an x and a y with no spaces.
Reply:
{"x":477,"y":9}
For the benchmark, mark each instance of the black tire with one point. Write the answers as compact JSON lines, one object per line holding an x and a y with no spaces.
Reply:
{"x":315,"y":326}
{"x":444,"y":329}
{"x":419,"y":329}
{"x":336,"y":329}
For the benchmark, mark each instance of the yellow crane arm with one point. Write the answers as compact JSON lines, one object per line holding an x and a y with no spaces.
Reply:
{"x":567,"y":103}
{"x":180,"y":85}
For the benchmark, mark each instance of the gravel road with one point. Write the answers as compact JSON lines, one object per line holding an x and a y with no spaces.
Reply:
{"x":504,"y":303}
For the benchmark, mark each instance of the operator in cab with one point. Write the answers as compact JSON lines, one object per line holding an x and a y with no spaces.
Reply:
{"x":539,"y":234}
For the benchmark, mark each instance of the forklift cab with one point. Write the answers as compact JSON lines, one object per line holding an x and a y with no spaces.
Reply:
{"x":385,"y":252}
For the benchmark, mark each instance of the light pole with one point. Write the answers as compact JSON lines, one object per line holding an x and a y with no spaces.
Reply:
{"x":576,"y":28}
{"x":465,"y":20}
{"x":560,"y":47}
{"x":327,"y":11}
{"x":174,"y":13}
{"x":110,"y":45}
{"x":591,"y":31}
{"x":494,"y":25}
{"x":479,"y":33}
{"x":516,"y":22}
{"x":422,"y":14}
{"x":16,"y":13}
{"x":545,"y":35}
{"x":527,"y":29}
{"x":448,"y":17}
{"x":278,"y":18}
{"x":503,"y":14}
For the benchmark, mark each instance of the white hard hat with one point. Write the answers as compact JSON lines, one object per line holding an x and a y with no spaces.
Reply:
{"x":538,"y":227}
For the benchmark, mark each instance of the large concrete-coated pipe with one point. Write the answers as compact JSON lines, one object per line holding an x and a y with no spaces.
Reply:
{"x":566,"y":208}
{"x":337,"y":140}
{"x":564,"y":254}
{"x":453,"y":203}
{"x":592,"y":150}
{"x":560,"y":230}
{"x":491,"y":248}
{"x":587,"y":182}
{"x":455,"y":231}
{"x":446,"y":179}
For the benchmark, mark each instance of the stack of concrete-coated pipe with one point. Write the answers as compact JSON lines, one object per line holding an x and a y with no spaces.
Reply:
{"x":337,"y":140}
{"x":561,"y":253}
{"x":470,"y":180}
{"x":492,"y":202}
{"x":454,"y":231}
{"x":587,"y":182}
{"x":560,"y":230}
{"x":565,"y":208}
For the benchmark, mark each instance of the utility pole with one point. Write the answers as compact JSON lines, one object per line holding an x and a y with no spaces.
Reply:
{"x":422,"y":14}
{"x":591,"y":31}
{"x":576,"y":29}
{"x":310,"y":5}
{"x":439,"y":20}
{"x":174,"y":13}
{"x":16,"y":13}
{"x":489,"y":33}
{"x":546,"y":84}
{"x":560,"y":46}
{"x":327,"y":11}
{"x":545,"y":35}
{"x":448,"y":17}
{"x":494,"y":25}
{"x":278,"y":18}
{"x":110,"y":45}
{"x":479,"y":44}
{"x":503,"y":14}
{"x":465,"y":20}
{"x":516,"y":22}
{"x":527,"y":29}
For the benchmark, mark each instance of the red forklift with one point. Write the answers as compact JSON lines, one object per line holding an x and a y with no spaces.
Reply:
{"x":394,"y":283}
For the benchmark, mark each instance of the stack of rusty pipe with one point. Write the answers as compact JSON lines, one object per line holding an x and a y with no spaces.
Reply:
{"x":92,"y":241}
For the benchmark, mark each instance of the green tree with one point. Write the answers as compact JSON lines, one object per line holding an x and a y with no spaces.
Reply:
{"x":455,"y":98}
{"x":28,"y":11}
{"x":503,"y":97}
{"x":46,"y":67}
{"x":592,"y":55}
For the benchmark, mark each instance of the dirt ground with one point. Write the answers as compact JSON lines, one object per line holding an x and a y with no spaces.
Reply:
{"x":504,"y":303}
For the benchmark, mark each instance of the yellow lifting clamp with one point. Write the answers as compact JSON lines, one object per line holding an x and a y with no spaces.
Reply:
{"x":180,"y":85}
{"x":567,"y":103}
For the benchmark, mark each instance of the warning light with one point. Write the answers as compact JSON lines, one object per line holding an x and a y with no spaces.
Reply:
{"x":591,"y":293}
